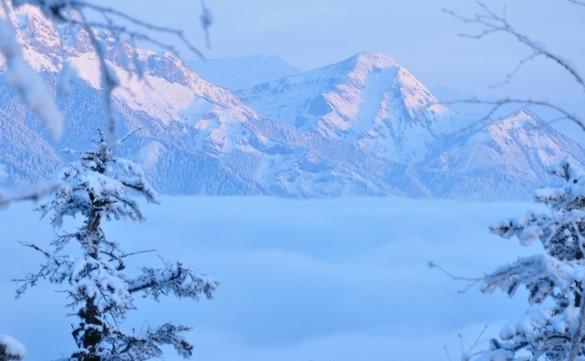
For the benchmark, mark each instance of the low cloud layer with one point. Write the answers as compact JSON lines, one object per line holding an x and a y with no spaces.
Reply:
{"x":335,"y":280}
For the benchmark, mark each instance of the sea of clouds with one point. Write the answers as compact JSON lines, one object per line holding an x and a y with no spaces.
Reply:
{"x":303,"y":280}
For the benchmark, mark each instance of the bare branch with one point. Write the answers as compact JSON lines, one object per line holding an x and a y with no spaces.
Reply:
{"x":500,"y":103}
{"x":514,"y":71}
{"x":36,"y":248}
{"x":129,"y":135}
{"x":179,"y":34}
{"x":130,"y":254}
{"x":472,"y":281}
{"x":206,"y":21}
{"x":493,"y":23}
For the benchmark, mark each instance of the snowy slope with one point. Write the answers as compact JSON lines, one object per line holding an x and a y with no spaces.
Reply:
{"x":364,"y":126}
{"x":25,"y":156}
{"x":196,"y":138}
{"x":373,"y":101}
{"x":369,"y":99}
{"x":505,"y":158}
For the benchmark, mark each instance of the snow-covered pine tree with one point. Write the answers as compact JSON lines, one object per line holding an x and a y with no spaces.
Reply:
{"x":91,"y":266}
{"x":553,"y":327}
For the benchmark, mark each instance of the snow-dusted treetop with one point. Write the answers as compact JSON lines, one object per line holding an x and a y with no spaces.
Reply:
{"x":102,"y":179}
{"x":99,"y":188}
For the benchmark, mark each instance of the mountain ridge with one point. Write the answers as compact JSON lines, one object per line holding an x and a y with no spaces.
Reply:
{"x":362,"y":126}
{"x":368,"y":98}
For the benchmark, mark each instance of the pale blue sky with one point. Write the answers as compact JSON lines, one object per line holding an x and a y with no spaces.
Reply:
{"x":310,"y":33}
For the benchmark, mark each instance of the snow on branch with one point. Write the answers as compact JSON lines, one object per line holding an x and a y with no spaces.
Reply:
{"x":11,"y":349}
{"x":56,"y":269}
{"x":142,"y":347}
{"x":541,"y":275}
{"x":553,"y":327}
{"x":173,"y":279}
{"x":100,"y":179}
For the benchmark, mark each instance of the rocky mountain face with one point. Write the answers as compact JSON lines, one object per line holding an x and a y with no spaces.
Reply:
{"x":364,"y":126}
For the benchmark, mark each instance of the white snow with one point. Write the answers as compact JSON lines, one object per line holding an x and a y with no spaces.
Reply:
{"x":368,"y":98}
{"x":334,"y":130}
{"x":150,"y":154}
{"x":13,"y":347}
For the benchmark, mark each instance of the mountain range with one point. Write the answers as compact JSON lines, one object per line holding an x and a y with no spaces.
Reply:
{"x":363,"y":126}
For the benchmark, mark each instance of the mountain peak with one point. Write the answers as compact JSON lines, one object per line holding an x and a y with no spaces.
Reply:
{"x":368,"y":99}
{"x":522,"y":116}
{"x":373,"y":60}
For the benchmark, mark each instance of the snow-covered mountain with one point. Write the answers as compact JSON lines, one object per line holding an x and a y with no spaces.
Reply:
{"x":502,"y":159}
{"x":368,"y":99}
{"x":364,"y":126}
{"x":196,"y":137}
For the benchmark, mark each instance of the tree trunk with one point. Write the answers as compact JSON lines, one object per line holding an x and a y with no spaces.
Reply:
{"x":89,"y":334}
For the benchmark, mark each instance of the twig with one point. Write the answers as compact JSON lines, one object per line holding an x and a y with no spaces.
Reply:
{"x":473,"y":281}
{"x":130,"y":135}
{"x":494,"y":23}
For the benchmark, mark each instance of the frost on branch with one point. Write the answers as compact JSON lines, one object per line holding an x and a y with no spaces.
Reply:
{"x":146,"y":346}
{"x":541,"y":275}
{"x":99,"y":180}
{"x":11,"y":349}
{"x":90,"y":268}
{"x":553,"y":327}
{"x":174,"y":279}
